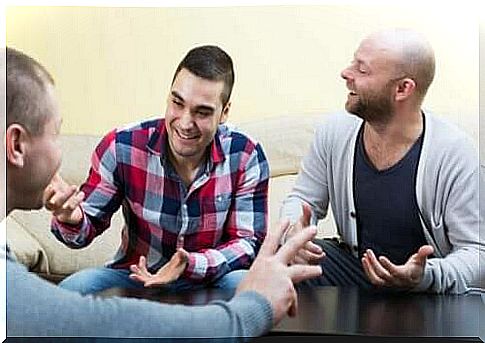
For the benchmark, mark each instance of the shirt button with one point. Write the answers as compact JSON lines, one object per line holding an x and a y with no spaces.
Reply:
{"x":352,"y":214}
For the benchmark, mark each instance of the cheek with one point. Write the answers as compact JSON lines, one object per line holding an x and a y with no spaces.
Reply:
{"x":55,"y":157}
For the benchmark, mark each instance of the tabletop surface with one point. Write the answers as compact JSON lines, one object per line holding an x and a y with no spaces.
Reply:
{"x":350,"y":311}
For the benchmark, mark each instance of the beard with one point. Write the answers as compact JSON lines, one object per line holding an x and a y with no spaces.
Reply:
{"x":373,"y":107}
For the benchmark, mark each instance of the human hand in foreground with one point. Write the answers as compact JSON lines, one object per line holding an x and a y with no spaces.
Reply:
{"x":311,"y":253}
{"x":170,"y":272}
{"x":63,"y":201}
{"x":383,"y":273}
{"x":273,"y":277}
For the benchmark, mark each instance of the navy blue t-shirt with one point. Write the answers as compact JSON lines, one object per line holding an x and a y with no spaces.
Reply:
{"x":387,"y":210}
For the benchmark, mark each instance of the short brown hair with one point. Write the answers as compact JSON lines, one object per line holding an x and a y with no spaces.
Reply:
{"x":27,"y":82}
{"x":211,"y":63}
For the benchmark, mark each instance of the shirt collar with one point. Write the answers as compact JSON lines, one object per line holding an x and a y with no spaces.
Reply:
{"x":158,"y":145}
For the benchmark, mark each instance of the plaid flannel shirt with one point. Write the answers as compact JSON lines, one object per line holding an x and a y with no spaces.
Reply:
{"x":220,"y":219}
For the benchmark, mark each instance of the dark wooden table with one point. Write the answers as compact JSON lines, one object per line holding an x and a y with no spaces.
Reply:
{"x":349,"y":311}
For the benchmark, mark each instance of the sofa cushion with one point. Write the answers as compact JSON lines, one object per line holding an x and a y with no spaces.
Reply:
{"x":25,"y":248}
{"x":57,"y":259}
{"x":285,"y":139}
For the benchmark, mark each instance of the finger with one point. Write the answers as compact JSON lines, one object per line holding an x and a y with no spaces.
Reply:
{"x":289,"y":250}
{"x":293,"y":310}
{"x":273,"y":239}
{"x":309,"y":257}
{"x":393,"y":269}
{"x":373,"y":278}
{"x":73,"y":201}
{"x":313,"y":248}
{"x":60,"y":197}
{"x":422,"y":255}
{"x":142,"y":265}
{"x":48,"y":193}
{"x":137,"y":277}
{"x":377,"y":266}
{"x":298,"y":272}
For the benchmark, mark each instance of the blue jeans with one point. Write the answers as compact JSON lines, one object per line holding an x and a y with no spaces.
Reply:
{"x":93,"y":280}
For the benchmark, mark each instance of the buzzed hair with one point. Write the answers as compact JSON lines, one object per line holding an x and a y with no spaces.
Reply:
{"x":27,"y":84}
{"x":415,"y":56}
{"x":211,"y":63}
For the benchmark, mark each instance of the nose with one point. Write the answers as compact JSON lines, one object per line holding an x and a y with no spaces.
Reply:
{"x":346,"y":74}
{"x":185,"y":120}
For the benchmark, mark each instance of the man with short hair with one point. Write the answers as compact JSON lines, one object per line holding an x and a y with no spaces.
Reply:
{"x":192,"y":189}
{"x":402,"y":183}
{"x":37,"y":308}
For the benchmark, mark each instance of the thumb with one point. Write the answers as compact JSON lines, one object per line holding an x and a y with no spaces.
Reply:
{"x":306,"y":216}
{"x":183,"y":254}
{"x":423,"y":253}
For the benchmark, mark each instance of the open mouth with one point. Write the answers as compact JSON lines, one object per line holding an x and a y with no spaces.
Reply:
{"x":186,"y":137}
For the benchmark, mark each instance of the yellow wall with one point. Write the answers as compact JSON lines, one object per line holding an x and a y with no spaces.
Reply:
{"x":115,"y":65}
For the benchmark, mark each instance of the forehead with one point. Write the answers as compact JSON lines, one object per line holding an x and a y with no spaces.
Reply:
{"x":376,"y":54}
{"x":197,"y":90}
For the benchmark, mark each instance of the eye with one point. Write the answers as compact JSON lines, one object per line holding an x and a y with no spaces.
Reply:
{"x":361,"y":69}
{"x":203,"y":113}
{"x":177,"y":103}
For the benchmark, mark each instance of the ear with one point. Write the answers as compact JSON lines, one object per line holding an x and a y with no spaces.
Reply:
{"x":16,"y":141}
{"x":225,"y":113}
{"x":405,"y":88}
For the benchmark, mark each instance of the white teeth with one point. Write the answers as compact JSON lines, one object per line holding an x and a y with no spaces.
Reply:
{"x":185,"y":136}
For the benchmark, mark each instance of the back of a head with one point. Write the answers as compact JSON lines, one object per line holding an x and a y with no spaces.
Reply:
{"x":415,"y":56}
{"x":27,"y":84}
{"x":211,"y":63}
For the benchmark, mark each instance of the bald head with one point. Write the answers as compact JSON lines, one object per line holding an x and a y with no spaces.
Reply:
{"x":411,"y":53}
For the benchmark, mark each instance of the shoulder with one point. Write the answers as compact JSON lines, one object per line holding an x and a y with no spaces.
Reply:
{"x":446,"y":137}
{"x":235,"y":141}
{"x":136,"y":134}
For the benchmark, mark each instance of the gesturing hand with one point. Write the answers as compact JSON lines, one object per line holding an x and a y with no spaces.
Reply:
{"x":273,"y":277}
{"x":170,"y":272}
{"x":63,"y":201}
{"x":383,"y":273}
{"x":311,"y":253}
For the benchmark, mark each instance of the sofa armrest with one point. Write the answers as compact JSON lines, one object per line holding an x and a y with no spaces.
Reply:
{"x":25,"y":247}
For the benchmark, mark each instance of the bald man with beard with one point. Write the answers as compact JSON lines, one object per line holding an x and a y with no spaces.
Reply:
{"x":402,"y":182}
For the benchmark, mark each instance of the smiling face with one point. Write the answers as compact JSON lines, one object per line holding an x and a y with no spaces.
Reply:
{"x":371,"y":80}
{"x":194,"y":111}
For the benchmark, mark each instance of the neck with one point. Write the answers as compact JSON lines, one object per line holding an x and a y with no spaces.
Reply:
{"x":187,"y":167}
{"x":402,"y":128}
{"x":10,"y":202}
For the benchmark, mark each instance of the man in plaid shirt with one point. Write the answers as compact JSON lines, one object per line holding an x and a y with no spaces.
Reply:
{"x":193,"y":191}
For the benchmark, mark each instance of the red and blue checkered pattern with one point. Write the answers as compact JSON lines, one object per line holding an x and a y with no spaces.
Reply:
{"x":220,"y":219}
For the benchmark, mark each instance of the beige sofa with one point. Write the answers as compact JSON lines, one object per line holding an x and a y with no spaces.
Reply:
{"x":284,"y":139}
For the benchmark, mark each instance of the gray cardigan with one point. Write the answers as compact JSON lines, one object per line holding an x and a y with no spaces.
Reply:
{"x":38,"y":308}
{"x":446,"y":191}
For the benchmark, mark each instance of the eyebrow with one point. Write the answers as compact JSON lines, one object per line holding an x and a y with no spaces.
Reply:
{"x":177,"y":95}
{"x":198,"y":107}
